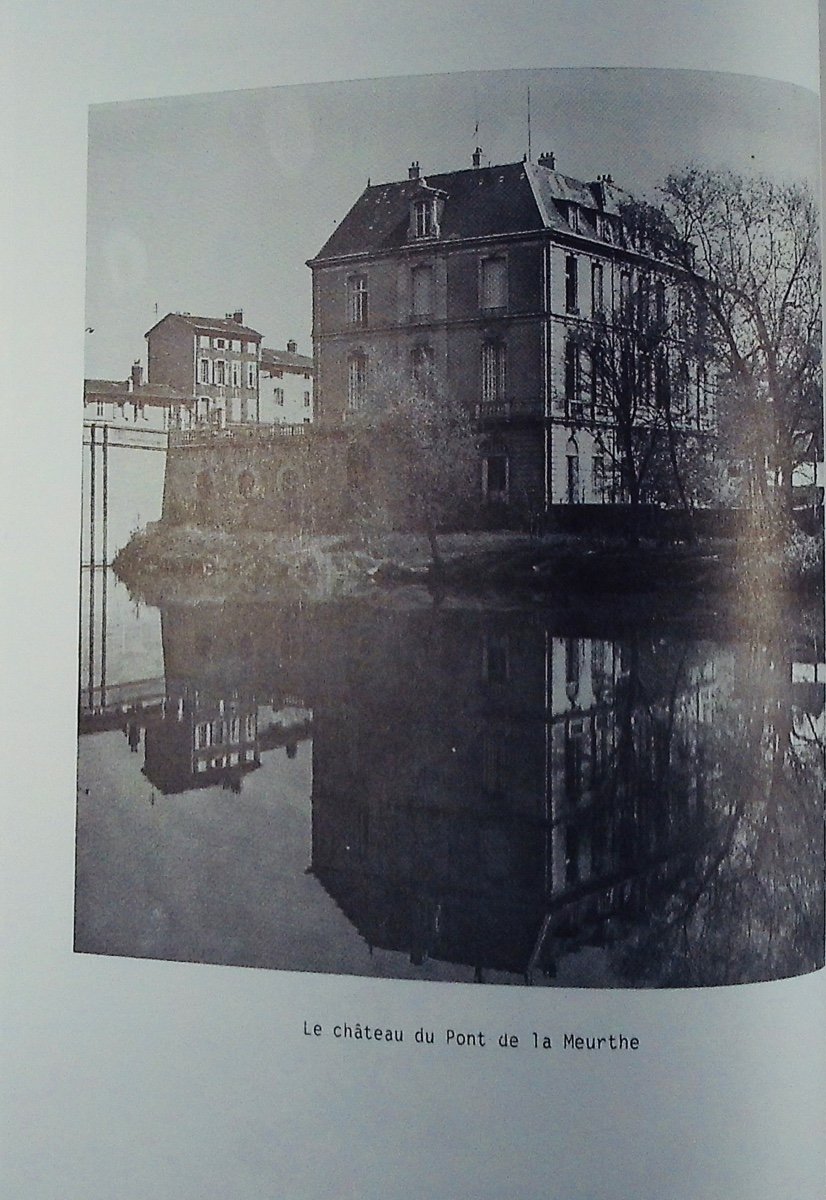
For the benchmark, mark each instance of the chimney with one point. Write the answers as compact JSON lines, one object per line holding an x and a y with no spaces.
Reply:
{"x":477,"y":157}
{"x":413,"y":171}
{"x":136,"y":375}
{"x":547,"y":160}
{"x":237,"y":316}
{"x":292,"y":346}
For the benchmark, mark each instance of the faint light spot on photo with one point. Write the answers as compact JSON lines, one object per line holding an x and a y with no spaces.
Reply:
{"x":289,"y":135}
{"x":126,"y":261}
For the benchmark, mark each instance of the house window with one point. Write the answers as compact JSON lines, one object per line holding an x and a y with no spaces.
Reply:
{"x":493,"y":372}
{"x":422,"y":290}
{"x":571,"y":283}
{"x":495,"y":478}
{"x":235,"y":373}
{"x":494,"y":283}
{"x":278,"y":394}
{"x":252,"y":375}
{"x":625,"y":294}
{"x":572,"y":473}
{"x":421,"y":366}
{"x":573,"y":217}
{"x":252,"y":348}
{"x":356,"y":380}
{"x":597,"y":288}
{"x":357,"y":300}
{"x":659,"y":301}
{"x":203,"y":370}
{"x":598,"y":476}
{"x":596,"y":381}
{"x":203,"y":341}
{"x":424,"y":219}
{"x":219,"y":373}
{"x":220,"y":343}
{"x":573,"y":398}
{"x":236,"y":345}
{"x":306,"y":399}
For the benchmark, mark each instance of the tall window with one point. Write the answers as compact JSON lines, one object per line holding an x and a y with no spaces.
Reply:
{"x":356,"y":380}
{"x":625,"y":294}
{"x":493,"y":372}
{"x":495,"y":473}
{"x":235,"y":373}
{"x":572,"y":473}
{"x":421,"y":366}
{"x":424,"y":218}
{"x":357,"y":300}
{"x":660,"y":301}
{"x":203,"y":370}
{"x":573,"y":397}
{"x":571,"y":283}
{"x":422,"y":288}
{"x":494,"y":283}
{"x":597,"y":367}
{"x":252,"y":375}
{"x":219,"y":371}
{"x":597,"y":288}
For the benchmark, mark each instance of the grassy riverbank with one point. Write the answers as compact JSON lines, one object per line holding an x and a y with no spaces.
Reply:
{"x":175,"y":562}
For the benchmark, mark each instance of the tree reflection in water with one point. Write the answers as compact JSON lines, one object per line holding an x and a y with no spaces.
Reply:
{"x":524,"y":795}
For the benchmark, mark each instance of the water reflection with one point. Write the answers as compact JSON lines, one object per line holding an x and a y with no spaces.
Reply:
{"x":443,"y":793}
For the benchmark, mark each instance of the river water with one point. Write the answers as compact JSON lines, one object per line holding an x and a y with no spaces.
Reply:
{"x":455,"y":791}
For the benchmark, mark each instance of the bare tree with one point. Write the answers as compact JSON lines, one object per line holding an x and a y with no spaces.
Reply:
{"x":643,"y":372}
{"x":424,"y":448}
{"x":750,"y":249}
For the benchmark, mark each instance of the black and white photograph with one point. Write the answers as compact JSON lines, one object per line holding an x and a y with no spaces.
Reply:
{"x":451,"y":564}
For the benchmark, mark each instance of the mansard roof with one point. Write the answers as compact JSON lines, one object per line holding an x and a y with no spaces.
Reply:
{"x":520,"y":197}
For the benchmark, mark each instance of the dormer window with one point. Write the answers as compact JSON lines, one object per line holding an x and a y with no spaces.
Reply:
{"x":424,"y":218}
{"x":425,"y":212}
{"x":573,"y":217}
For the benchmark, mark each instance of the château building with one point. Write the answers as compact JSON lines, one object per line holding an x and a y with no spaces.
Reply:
{"x":488,"y":285}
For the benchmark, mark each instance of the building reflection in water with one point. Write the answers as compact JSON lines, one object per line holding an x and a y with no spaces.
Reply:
{"x":502,"y":793}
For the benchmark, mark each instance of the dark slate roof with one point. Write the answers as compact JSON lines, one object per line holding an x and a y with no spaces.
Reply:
{"x":284,"y":360}
{"x":119,"y":390}
{"x":211,"y":325}
{"x":480,"y":202}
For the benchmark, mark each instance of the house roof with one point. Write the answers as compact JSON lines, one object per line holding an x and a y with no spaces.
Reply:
{"x":211,"y":325}
{"x":480,"y":202}
{"x":285,"y":360}
{"x":120,"y":391}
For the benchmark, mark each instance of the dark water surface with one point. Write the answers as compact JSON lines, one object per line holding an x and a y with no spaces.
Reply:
{"x":450,"y":792}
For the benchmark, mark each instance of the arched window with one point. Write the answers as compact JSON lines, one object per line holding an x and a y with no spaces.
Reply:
{"x":572,"y":472}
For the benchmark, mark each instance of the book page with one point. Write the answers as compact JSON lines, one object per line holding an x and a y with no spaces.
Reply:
{"x":490,"y":791}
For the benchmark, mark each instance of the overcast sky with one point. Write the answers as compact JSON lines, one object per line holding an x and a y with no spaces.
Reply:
{"x":212,"y":202}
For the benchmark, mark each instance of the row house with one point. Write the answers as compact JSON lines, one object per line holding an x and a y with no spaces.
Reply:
{"x":285,"y":387}
{"x":215,"y":360}
{"x":492,"y":284}
{"x":132,"y":404}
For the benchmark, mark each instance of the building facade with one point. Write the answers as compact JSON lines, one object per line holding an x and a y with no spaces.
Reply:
{"x":285,"y":389}
{"x":213,"y":359}
{"x":494,"y":285}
